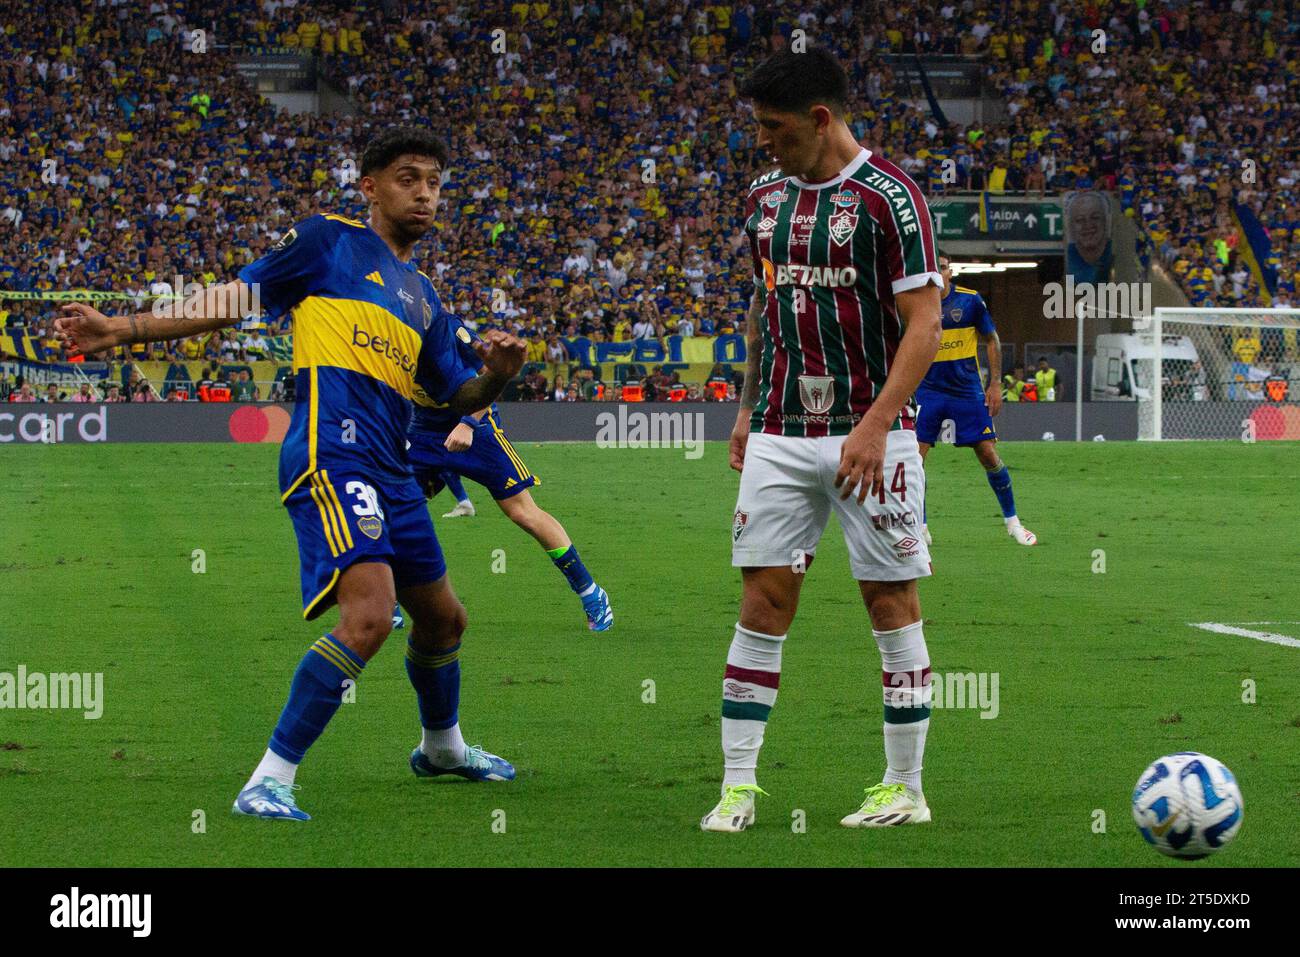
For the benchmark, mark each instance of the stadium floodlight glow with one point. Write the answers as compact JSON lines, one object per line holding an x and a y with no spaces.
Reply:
{"x":975,"y":268}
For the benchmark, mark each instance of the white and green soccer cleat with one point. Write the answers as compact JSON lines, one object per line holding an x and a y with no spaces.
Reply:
{"x":735,"y":811}
{"x":887,"y":805}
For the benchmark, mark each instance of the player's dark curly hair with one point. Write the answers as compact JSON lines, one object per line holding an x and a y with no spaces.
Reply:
{"x":796,"y":81}
{"x":400,"y":140}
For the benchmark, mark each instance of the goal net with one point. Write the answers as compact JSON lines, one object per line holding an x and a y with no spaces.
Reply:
{"x":1224,"y":374}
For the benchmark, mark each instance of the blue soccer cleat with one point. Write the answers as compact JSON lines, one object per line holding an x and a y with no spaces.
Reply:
{"x":272,"y":799}
{"x":399,"y":621}
{"x":478,"y":766}
{"x":600,"y":617}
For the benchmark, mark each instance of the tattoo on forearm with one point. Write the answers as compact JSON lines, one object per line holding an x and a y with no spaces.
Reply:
{"x":478,"y":393}
{"x":135,"y":331}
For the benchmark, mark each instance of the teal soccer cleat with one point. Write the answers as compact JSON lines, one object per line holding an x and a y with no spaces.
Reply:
{"x":479,"y":766}
{"x":272,"y":799}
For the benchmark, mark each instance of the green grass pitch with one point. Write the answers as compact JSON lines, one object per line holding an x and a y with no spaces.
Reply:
{"x":1099,"y":673}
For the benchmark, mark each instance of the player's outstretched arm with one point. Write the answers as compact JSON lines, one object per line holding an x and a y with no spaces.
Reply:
{"x":89,"y":331}
{"x":862,"y":457}
{"x":503,"y":356}
{"x":749,"y":391}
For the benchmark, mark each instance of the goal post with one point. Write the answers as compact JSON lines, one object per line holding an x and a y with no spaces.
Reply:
{"x":1223,"y":374}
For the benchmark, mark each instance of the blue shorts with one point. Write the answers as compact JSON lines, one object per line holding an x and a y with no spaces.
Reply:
{"x":969,"y":415}
{"x":490,"y":460}
{"x":342,"y":518}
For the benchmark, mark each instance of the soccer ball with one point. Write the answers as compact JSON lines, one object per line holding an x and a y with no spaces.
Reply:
{"x":1187,"y":804}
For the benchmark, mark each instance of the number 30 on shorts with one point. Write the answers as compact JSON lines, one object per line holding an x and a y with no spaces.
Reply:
{"x":367,"y":498}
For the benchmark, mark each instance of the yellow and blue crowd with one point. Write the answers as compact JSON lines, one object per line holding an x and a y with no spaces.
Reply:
{"x":599,"y":154}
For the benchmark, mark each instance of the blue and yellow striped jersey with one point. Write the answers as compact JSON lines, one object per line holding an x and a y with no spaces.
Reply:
{"x":956,"y":369}
{"x":370,"y":337}
{"x":438,"y":419}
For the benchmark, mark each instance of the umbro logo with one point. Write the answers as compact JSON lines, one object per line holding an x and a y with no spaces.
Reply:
{"x":376,"y":278}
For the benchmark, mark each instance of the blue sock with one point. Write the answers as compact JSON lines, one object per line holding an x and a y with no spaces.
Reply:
{"x":1000,"y":482}
{"x":436,"y":679}
{"x":454,"y":485}
{"x":314,"y":696}
{"x":567,"y":561}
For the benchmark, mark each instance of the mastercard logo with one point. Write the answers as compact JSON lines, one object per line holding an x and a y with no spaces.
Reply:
{"x":253,"y":423}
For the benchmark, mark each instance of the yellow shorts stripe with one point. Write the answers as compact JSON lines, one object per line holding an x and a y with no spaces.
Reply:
{"x":322,"y":499}
{"x":520,"y":468}
{"x":306,"y":612}
{"x":342,"y":515}
{"x":325,"y":518}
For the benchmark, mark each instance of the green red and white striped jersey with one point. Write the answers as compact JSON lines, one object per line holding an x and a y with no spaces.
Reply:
{"x":831,"y":256}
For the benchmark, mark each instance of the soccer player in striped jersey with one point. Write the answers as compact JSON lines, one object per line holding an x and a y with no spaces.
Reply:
{"x":843,"y":323}
{"x":952,"y":392}
{"x":366,"y":338}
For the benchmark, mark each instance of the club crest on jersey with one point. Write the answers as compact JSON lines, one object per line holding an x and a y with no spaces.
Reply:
{"x":370,"y":526}
{"x":842,"y":224}
{"x":955,"y":314}
{"x":428,"y":312}
{"x":738,"y":524}
{"x":817,"y":392}
{"x":765,"y":227}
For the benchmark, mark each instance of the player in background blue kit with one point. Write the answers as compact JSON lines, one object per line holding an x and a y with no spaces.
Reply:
{"x":445,"y":444}
{"x":952,"y":391}
{"x":366,"y":338}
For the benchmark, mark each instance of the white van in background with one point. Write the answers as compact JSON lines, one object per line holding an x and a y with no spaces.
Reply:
{"x":1119,"y":373}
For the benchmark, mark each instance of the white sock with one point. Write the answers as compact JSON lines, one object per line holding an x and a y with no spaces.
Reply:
{"x":911,"y":778}
{"x":732,"y":776}
{"x":1012,"y":522}
{"x":905,"y":662}
{"x":749,"y":686}
{"x":445,"y":748}
{"x":273,"y":766}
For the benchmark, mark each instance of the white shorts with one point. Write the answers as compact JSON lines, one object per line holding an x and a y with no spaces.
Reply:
{"x":787,"y":491}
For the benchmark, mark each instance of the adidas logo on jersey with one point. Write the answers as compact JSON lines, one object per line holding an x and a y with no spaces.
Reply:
{"x":375,"y":277}
{"x":511,"y":483}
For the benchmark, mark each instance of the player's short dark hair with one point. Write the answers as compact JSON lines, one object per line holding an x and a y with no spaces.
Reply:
{"x":796,"y":81}
{"x":398,"y":141}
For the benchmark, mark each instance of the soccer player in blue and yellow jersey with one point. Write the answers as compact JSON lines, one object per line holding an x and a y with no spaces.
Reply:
{"x":445,"y":444}
{"x":952,"y":391}
{"x":369,"y":337}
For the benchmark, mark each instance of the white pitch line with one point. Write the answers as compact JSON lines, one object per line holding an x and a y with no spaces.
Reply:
{"x":1269,"y":636}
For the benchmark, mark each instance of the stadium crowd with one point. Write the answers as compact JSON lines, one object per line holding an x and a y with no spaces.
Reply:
{"x":600,"y":160}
